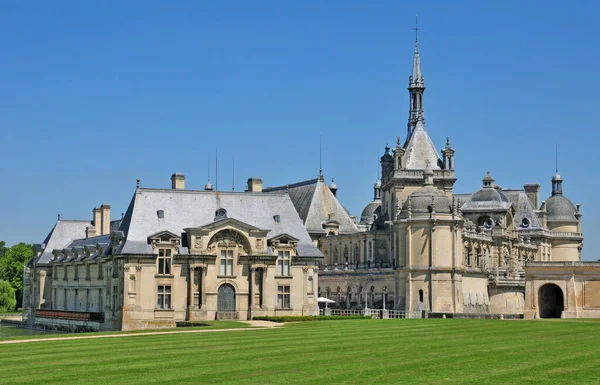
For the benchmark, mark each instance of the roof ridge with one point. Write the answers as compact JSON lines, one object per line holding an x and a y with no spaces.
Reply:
{"x":178,"y":191}
{"x":293,"y":185}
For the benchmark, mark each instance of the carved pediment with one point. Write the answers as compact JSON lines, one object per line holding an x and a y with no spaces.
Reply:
{"x":229,"y":238}
{"x":164,"y":237}
{"x":283,"y":239}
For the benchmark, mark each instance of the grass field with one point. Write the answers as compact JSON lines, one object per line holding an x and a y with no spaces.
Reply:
{"x":429,"y":351}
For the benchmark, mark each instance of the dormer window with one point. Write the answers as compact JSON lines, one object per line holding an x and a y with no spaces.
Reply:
{"x":277,"y":218}
{"x":220,"y":214}
{"x":525,"y":223}
{"x":160,"y":214}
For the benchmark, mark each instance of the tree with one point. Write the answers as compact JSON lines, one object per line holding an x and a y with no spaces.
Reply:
{"x":8,"y":302}
{"x":11,"y":267}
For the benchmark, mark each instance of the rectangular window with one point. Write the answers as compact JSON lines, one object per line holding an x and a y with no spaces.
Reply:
{"x":226,"y":262}
{"x":65,"y":299}
{"x":100,"y":309}
{"x":87,"y":300}
{"x":164,"y":261}
{"x":164,"y":297}
{"x":65,"y":272}
{"x":87,"y":272}
{"x":283,"y":263}
{"x":76,"y":272}
{"x":115,"y":299}
{"x":100,"y":267}
{"x":283,"y":297}
{"x":76,"y":298}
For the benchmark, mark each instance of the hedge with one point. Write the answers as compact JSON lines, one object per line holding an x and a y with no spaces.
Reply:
{"x":186,"y":324}
{"x":302,"y":318}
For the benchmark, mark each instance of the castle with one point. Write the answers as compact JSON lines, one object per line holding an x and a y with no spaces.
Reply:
{"x":419,"y":248}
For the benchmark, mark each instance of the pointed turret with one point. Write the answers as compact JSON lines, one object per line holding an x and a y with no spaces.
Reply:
{"x":416,"y":88}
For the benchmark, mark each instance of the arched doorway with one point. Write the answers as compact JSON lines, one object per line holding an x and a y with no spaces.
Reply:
{"x":226,"y":298}
{"x":550,"y":301}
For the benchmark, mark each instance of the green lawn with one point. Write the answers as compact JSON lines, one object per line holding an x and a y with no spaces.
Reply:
{"x":429,"y":351}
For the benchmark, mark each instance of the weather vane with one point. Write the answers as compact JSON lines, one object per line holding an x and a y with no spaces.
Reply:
{"x":416,"y":29}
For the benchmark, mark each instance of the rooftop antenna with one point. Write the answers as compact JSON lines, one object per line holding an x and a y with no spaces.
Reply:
{"x":233,"y":178}
{"x":416,"y":29}
{"x":216,"y":168}
{"x":320,"y":155}
{"x":377,"y":165}
{"x":557,"y":156}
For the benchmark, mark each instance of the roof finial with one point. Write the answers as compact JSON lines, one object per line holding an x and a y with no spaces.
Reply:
{"x":398,"y":141}
{"x":59,"y":216}
{"x":448,"y":141}
{"x":557,"y":156}
{"x":320,"y":155}
{"x":416,"y":29}
{"x":216,"y":168}
{"x":233,"y":177}
{"x":137,"y":183}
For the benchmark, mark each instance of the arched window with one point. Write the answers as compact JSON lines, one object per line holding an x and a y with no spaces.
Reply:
{"x":349,"y":293}
{"x":478,"y":257}
{"x":335,"y":255}
{"x":420,"y":296}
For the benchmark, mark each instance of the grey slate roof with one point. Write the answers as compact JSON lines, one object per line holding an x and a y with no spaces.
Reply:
{"x":316,"y":204}
{"x":487,"y":198}
{"x":62,"y":234}
{"x":187,"y":208}
{"x":420,"y":149}
{"x":524,"y":209}
{"x":559,"y":208}
{"x":373,"y":208}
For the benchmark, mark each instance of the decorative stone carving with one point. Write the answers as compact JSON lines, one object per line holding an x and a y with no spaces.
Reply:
{"x":198,"y":243}
{"x":229,"y":238}
{"x":259,"y":243}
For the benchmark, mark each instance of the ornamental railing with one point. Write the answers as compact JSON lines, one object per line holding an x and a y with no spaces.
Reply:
{"x":70,"y":315}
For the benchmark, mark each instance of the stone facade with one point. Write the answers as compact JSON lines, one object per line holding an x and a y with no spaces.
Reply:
{"x":177,"y":255}
{"x":562,"y":289}
{"x":426,"y":248}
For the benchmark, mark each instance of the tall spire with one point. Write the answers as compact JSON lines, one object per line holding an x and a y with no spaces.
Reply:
{"x":416,"y":87}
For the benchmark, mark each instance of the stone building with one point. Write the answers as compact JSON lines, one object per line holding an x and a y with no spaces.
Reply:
{"x":425,"y":248}
{"x":176,"y":255}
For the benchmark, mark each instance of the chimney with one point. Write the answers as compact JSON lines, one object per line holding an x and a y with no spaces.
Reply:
{"x":254,"y":184}
{"x":533,"y":193}
{"x":90,"y":231}
{"x":105,"y":212}
{"x":177,"y":181}
{"x":97,"y":222}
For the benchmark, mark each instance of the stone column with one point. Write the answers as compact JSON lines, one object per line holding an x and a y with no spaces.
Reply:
{"x":202,"y":287}
{"x":263,"y":284}
{"x":252,"y":288}
{"x":190,"y":292}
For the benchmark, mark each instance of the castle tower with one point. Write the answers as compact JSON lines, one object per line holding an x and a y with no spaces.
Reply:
{"x":564,"y":221}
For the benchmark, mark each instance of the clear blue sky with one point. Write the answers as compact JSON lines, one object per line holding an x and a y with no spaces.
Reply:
{"x":94,"y":95}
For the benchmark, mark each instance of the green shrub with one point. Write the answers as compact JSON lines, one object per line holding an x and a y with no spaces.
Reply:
{"x":187,"y":324}
{"x":8,"y":302}
{"x":302,"y":318}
